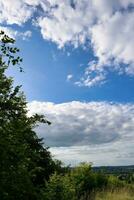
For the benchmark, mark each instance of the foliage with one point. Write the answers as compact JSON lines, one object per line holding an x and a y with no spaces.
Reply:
{"x":77,"y":184}
{"x":59,"y":187}
{"x":85,"y":180}
{"x":25,"y":163}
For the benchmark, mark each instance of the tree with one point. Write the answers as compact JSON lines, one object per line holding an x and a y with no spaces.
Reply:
{"x":25,"y":164}
{"x":85,"y":181}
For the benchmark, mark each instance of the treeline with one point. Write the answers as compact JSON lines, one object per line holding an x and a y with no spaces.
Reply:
{"x":125,"y":173}
{"x":27,"y":169}
{"x":115,"y":169}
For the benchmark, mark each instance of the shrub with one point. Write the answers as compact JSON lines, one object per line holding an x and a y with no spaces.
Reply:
{"x":114,"y":182}
{"x":59,"y":187}
{"x":85,"y":180}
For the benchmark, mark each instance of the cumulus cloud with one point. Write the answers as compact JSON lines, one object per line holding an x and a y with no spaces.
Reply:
{"x":16,"y":12}
{"x":79,"y":128}
{"x":106,"y":27}
{"x":113,"y":41}
{"x":67,"y":22}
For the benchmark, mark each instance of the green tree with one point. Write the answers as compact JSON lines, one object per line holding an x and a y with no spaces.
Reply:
{"x":86,"y":181}
{"x":25,"y":164}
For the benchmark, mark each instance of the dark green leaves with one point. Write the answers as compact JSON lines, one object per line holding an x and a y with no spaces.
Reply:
{"x":9,"y":52}
{"x":25,"y":163}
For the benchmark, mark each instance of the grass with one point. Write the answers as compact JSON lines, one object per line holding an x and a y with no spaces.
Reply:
{"x":118,"y":194}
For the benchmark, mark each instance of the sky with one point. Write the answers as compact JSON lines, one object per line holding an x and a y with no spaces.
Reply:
{"x":78,"y":62}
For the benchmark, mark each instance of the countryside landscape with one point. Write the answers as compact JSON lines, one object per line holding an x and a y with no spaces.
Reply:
{"x":66,"y":100}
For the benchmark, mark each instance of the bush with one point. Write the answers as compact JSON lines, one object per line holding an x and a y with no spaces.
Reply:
{"x":59,"y":187}
{"x":114,"y":182}
{"x":85,"y":180}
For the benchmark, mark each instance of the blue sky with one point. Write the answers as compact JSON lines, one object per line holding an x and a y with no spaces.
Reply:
{"x":78,"y":65}
{"x":50,"y":66}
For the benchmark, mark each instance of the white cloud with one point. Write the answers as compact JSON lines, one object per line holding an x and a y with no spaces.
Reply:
{"x":32,"y":2}
{"x":79,"y":130}
{"x":25,"y":35}
{"x":106,"y":25}
{"x":119,"y":153}
{"x":69,"y":77}
{"x":16,"y":34}
{"x":90,"y":82}
{"x":65,"y":24}
{"x":93,"y":75}
{"x":15,"y":12}
{"x":113,"y":41}
{"x":130,"y":69}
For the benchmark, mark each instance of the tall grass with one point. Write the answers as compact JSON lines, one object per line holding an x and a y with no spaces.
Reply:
{"x":116,"y":194}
